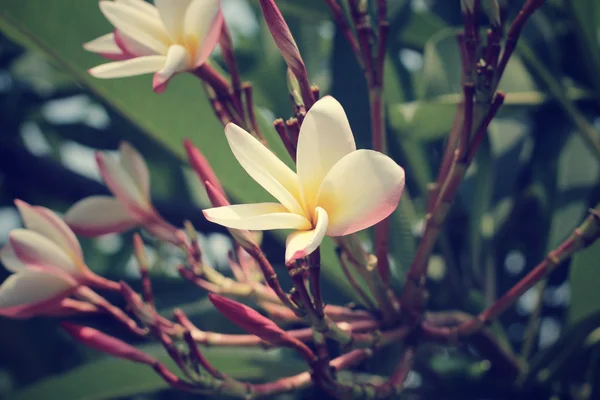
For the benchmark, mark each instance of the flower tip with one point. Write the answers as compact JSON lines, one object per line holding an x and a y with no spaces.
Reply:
{"x":159,"y":83}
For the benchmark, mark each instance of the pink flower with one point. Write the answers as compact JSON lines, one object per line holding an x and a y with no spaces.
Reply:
{"x":47,"y":265}
{"x":166,"y":38}
{"x":128,"y":179}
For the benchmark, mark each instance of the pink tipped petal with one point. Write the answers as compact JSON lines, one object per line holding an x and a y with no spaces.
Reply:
{"x":264,"y":167}
{"x":126,"y":68}
{"x":325,"y":137}
{"x":210,"y":41}
{"x":363,"y":188}
{"x":136,"y":167}
{"x":201,"y":18}
{"x":178,"y":60}
{"x":122,"y":184}
{"x":10,"y":260}
{"x":99,"y":215}
{"x":142,"y":27}
{"x":29,"y":293}
{"x":256,"y":217}
{"x":141,"y":6}
{"x":202,"y":167}
{"x":106,"y":46}
{"x":39,"y":252}
{"x":301,"y":243}
{"x":48,"y":224}
{"x":172,"y":13}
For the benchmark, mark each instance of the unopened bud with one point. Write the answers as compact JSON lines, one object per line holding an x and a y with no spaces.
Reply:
{"x":250,"y":320}
{"x":201,"y":166}
{"x":144,"y":312}
{"x":140,"y":252}
{"x":107,"y":344}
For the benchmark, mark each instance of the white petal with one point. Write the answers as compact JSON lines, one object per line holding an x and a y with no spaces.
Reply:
{"x":48,"y":224}
{"x":141,"y":6}
{"x":31,"y":287}
{"x":301,"y":243}
{"x":132,"y":67}
{"x":265,"y":168}
{"x":104,"y":45}
{"x":256,"y":217}
{"x":39,"y":252}
{"x":131,"y":47}
{"x":325,"y":137}
{"x":360,"y":190}
{"x":172,"y":13}
{"x":178,"y":59}
{"x":136,"y":167}
{"x":98,"y":215}
{"x":10,"y":260}
{"x":139,"y":26}
{"x":121,"y":183}
{"x":203,"y":23}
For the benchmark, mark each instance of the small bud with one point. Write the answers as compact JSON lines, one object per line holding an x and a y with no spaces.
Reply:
{"x":144,"y":312}
{"x":140,"y":252}
{"x":202,"y":167}
{"x":102,"y":342}
{"x":251,"y":320}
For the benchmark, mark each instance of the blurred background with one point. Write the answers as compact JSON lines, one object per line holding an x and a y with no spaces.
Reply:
{"x":530,"y":186}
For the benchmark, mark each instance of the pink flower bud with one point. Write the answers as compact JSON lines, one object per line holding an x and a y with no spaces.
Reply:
{"x":102,"y":342}
{"x":251,"y":320}
{"x":201,"y":166}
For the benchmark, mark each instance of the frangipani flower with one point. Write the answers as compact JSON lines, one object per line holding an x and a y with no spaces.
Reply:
{"x":46,"y":261}
{"x":337,"y":189}
{"x":169,"y":37}
{"x":129,"y":180}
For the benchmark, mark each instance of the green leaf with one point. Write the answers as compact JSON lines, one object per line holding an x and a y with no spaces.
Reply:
{"x":584,"y":277}
{"x":419,"y":28}
{"x":182,"y":111}
{"x":110,"y":378}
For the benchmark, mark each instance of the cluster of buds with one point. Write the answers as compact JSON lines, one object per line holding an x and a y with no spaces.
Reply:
{"x":319,"y":199}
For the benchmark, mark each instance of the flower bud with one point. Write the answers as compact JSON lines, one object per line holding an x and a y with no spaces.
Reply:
{"x":251,"y":320}
{"x":107,"y":344}
{"x":294,"y":88}
{"x":467,"y":6}
{"x":492,"y":10}
{"x":202,"y":167}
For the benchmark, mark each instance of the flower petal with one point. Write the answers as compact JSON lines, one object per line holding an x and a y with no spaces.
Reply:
{"x":256,"y":217}
{"x":48,"y":224}
{"x":28,"y":292}
{"x":106,"y":46}
{"x":130,"y":47}
{"x":172,"y":13}
{"x":141,"y":6}
{"x":126,"y":68}
{"x":122,"y":184}
{"x":301,"y":243}
{"x":10,"y":260}
{"x":203,"y":22}
{"x":363,"y":188}
{"x":99,"y":215}
{"x":39,"y":252}
{"x":265,"y":168}
{"x":136,"y":167}
{"x":140,"y":26}
{"x":178,"y":60}
{"x":325,"y":137}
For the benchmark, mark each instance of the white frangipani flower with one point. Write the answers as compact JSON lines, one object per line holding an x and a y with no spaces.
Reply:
{"x":337,"y":189}
{"x":46,"y":261}
{"x":166,"y":38}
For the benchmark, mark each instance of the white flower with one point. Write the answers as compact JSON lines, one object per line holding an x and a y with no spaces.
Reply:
{"x":337,"y":189}
{"x":169,"y":37}
{"x":46,"y":261}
